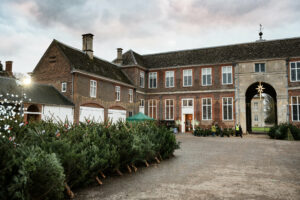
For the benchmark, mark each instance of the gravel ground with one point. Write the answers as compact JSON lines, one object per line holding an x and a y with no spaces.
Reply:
{"x":253,"y":167}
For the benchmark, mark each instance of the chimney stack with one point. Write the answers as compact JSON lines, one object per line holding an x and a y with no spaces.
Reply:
{"x":87,"y":44}
{"x":119,"y":56}
{"x":8,"y":66}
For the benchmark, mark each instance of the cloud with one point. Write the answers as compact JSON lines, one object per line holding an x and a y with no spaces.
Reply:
{"x":28,"y":26}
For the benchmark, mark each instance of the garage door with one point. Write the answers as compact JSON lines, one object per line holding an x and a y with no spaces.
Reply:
{"x":58,"y":113}
{"x":116,"y":115}
{"x":90,"y":113}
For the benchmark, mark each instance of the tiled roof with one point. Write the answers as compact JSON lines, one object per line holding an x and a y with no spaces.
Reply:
{"x":81,"y":61}
{"x":281,"y":48}
{"x":38,"y":93}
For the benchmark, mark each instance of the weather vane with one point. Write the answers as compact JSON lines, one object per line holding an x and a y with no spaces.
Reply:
{"x":260,"y":31}
{"x":260,"y":89}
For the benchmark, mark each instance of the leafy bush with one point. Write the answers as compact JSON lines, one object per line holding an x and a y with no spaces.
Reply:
{"x":280,"y":132}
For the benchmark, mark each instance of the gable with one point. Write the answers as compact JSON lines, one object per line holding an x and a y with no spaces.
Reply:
{"x":52,"y":62}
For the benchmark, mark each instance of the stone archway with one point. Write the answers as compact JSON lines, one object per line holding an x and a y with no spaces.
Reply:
{"x":250,"y":93}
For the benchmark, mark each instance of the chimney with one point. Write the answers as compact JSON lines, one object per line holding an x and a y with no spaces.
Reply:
{"x":87,"y":44}
{"x":119,"y":56}
{"x":8,"y":66}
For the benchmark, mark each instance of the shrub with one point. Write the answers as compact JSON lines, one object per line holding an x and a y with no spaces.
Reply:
{"x":280,"y":131}
{"x":39,"y":158}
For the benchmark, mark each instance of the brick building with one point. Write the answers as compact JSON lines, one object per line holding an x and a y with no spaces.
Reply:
{"x":193,"y":87}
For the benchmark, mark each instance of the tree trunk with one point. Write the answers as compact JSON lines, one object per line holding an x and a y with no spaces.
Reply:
{"x":98,"y":180}
{"x":101,"y":173}
{"x":119,"y":172}
{"x":129,"y":169}
{"x":69,"y":191}
{"x":160,"y":156}
{"x":157,"y":160}
{"x":134,"y":168}
{"x":146,"y":163}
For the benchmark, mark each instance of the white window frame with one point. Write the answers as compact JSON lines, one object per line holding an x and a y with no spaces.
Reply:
{"x":255,"y":106}
{"x":93,"y":88}
{"x":130,"y":93}
{"x":152,"y":75}
{"x":206,"y":72}
{"x":152,"y":107}
{"x":142,"y":103}
{"x":169,"y":75}
{"x":64,"y":87}
{"x":142,"y":79}
{"x":187,"y":73}
{"x":207,"y":105}
{"x":297,"y":106}
{"x":118,"y":93}
{"x":168,"y":107}
{"x":256,"y":118}
{"x":187,"y":101}
{"x":259,"y":70}
{"x":296,"y":75}
{"x":227,"y":109}
{"x":224,"y":71}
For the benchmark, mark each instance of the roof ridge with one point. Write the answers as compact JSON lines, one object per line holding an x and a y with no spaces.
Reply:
{"x":131,"y":52}
{"x":76,"y":49}
{"x":212,"y":47}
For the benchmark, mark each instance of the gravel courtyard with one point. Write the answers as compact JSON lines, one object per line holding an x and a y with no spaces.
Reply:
{"x":253,"y":167}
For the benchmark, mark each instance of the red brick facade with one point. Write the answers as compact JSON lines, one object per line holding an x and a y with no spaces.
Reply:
{"x":54,"y":68}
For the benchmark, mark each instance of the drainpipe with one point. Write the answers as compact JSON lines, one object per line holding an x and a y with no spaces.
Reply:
{"x":237,"y":99}
{"x":287,"y":91}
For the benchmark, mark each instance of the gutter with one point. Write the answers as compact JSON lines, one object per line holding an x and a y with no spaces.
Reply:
{"x":101,"y":77}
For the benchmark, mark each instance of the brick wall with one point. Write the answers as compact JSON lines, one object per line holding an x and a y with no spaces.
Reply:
{"x":53,"y":69}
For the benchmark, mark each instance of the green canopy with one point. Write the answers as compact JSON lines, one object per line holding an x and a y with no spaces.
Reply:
{"x":139,"y":117}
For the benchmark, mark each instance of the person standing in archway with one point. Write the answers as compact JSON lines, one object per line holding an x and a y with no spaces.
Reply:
{"x":240,"y":131}
{"x":237,"y":130}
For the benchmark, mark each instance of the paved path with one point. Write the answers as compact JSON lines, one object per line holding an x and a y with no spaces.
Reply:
{"x":253,"y":167}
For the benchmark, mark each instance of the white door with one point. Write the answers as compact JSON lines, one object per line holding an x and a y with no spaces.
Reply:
{"x":142,"y":109}
{"x":58,"y":113}
{"x":187,"y":107}
{"x":116,"y":115}
{"x":90,"y":113}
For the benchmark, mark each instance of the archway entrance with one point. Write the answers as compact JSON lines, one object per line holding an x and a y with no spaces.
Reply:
{"x":250,"y":93}
{"x":33,"y":113}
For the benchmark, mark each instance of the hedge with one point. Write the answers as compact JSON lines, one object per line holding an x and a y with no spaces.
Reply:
{"x":280,"y":131}
{"x":207,"y":132}
{"x":42,"y":160}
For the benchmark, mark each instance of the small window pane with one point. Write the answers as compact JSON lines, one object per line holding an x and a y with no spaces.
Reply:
{"x":262,"y":67}
{"x":293,"y":65}
{"x":295,"y":113}
{"x":256,"y":67}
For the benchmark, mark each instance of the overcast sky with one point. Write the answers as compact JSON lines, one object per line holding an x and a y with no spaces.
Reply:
{"x":27,"y":27}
